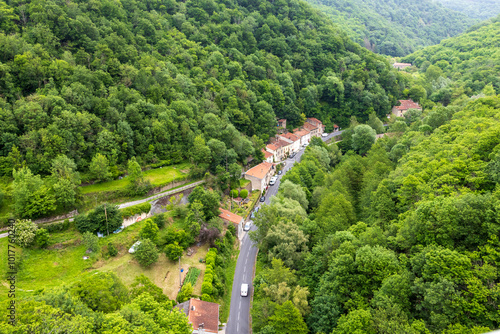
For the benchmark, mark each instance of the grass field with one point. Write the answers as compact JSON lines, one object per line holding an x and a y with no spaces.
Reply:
{"x":157,"y":177}
{"x":62,"y":263}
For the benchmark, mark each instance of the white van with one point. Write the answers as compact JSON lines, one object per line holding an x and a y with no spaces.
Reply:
{"x":244,"y":290}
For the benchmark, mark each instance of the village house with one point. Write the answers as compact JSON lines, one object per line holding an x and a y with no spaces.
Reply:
{"x":336,"y":127}
{"x":285,"y":148}
{"x":304,"y":136}
{"x":260,"y":175}
{"x":274,"y":150}
{"x":317,"y":126}
{"x":204,"y":316}
{"x":400,"y":110}
{"x":293,"y":140}
{"x":231,"y":218}
{"x":401,"y":66}
{"x":268,"y":156}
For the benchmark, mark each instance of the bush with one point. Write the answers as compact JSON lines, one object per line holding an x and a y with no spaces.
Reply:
{"x":234,"y":193}
{"x":173,"y":251}
{"x":149,"y":231}
{"x":42,"y":238}
{"x":146,"y":253}
{"x":244,"y":193}
{"x":112,"y":251}
{"x":91,"y":241}
{"x":206,"y":297}
{"x":57,"y":227}
{"x":25,"y":232}
{"x":102,"y":219}
{"x":136,"y":209}
{"x":206,"y":288}
{"x":185,"y":293}
{"x":159,"y":220}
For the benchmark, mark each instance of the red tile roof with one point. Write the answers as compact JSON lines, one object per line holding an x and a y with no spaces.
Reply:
{"x":314,"y":121}
{"x":272,"y":147}
{"x":290,"y":136}
{"x":335,"y":126}
{"x":301,"y":133}
{"x":281,"y":143}
{"x":282,"y":120}
{"x":266,"y":154}
{"x":206,"y":313}
{"x":260,"y":170}
{"x":309,"y":127}
{"x":407,"y":104}
{"x":229,"y":216}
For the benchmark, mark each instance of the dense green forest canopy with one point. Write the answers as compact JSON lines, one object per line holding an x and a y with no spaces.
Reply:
{"x":145,"y":79}
{"x":394,"y":27}
{"x":402,"y":239}
{"x":460,"y":66}
{"x":476,"y":9}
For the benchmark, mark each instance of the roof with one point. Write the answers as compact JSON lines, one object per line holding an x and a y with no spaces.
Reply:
{"x":290,"y":136}
{"x":408,"y":104}
{"x":335,"y":126}
{"x":229,"y":216}
{"x":309,"y":127}
{"x":301,"y":133}
{"x":201,"y":312}
{"x":272,"y":147}
{"x":260,"y":170}
{"x":282,"y":120}
{"x":266,"y":154}
{"x":314,"y":120}
{"x":281,"y":143}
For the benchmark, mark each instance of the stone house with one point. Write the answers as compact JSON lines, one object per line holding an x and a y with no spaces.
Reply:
{"x":232,"y":218}
{"x":400,"y":110}
{"x":204,"y":316}
{"x":260,"y":175}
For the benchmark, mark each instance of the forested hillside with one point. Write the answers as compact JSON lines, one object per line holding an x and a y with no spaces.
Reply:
{"x":460,"y":66}
{"x":394,"y":28}
{"x":476,"y":9}
{"x":164,"y":81}
{"x":402,"y":238}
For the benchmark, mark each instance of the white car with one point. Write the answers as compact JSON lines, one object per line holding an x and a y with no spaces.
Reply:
{"x":324,"y":134}
{"x":244,"y":290}
{"x":134,"y":247}
{"x":273,"y":180}
{"x":247,"y":226}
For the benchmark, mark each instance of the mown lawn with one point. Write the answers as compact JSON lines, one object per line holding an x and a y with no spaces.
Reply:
{"x":157,"y":177}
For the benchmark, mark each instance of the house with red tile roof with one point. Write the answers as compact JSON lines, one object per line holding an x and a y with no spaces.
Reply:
{"x":293,"y":140}
{"x":304,"y":135}
{"x":203,"y":316}
{"x":260,"y":175}
{"x":336,"y":127}
{"x":404,"y":106}
{"x":231,"y":218}
{"x":320,"y":128}
{"x":268,"y":156}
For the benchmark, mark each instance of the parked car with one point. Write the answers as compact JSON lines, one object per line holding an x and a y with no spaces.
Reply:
{"x":273,"y":181}
{"x":280,"y":172}
{"x":134,"y":247}
{"x":324,"y":134}
{"x":247,"y":226}
{"x":252,"y":215}
{"x":263,"y":198}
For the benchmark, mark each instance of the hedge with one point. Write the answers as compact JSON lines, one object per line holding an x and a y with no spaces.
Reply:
{"x":56,"y":227}
{"x":136,"y":209}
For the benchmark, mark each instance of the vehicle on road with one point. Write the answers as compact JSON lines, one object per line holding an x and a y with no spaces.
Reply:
{"x":273,"y":181}
{"x":134,"y":247}
{"x":280,"y":172}
{"x":247,"y":226}
{"x":263,"y":198}
{"x":244,"y":290}
{"x":324,"y":134}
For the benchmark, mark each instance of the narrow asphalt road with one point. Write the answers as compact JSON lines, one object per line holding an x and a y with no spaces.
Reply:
{"x":239,"y":313}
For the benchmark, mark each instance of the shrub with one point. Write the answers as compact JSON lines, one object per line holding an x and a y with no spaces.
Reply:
{"x":25,"y":232}
{"x":91,"y":241}
{"x":112,"y":251}
{"x":159,"y":220}
{"x":173,"y":251}
{"x":146,"y":253}
{"x":102,"y":219}
{"x":185,"y":293}
{"x":206,"y":288}
{"x":57,"y":227}
{"x":42,"y":238}
{"x":234,"y":193}
{"x":244,"y":193}
{"x":136,"y":209}
{"x":149,"y":231}
{"x":206,"y":297}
